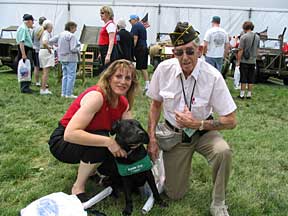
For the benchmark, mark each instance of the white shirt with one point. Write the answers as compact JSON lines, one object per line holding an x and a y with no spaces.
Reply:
{"x":217,"y":38}
{"x":211,"y":92}
{"x":111,"y":27}
{"x":46,"y":36}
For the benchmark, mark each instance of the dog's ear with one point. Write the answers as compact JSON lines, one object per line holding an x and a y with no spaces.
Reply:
{"x":115,"y":127}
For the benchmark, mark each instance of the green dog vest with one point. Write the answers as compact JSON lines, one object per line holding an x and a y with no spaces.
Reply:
{"x":134,"y":168}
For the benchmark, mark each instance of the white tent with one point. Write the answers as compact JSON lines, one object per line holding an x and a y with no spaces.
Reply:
{"x":163,"y":14}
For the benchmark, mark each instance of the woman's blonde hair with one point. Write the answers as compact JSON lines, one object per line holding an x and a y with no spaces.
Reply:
{"x":46,"y":24}
{"x":121,"y":64}
{"x":108,"y":10}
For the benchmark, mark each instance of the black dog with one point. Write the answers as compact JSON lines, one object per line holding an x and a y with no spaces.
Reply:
{"x":130,"y":136}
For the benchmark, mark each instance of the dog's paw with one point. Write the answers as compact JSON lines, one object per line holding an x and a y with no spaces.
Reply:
{"x":161,"y":203}
{"x":115,"y":194}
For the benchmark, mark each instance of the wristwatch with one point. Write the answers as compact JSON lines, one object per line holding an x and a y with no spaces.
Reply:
{"x":201,"y":126}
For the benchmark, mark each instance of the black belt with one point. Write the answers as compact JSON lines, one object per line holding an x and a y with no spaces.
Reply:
{"x":185,"y":138}
{"x":177,"y":130}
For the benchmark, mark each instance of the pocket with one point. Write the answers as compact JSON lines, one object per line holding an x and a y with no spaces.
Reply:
{"x":168,"y":100}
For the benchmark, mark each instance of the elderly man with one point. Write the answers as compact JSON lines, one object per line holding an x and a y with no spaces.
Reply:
{"x":190,"y":90}
{"x":140,"y":47}
{"x":25,"y":47}
{"x":216,"y":44}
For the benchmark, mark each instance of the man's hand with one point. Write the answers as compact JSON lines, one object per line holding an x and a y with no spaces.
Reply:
{"x":24,"y":56}
{"x":153,"y":149}
{"x":185,"y":119}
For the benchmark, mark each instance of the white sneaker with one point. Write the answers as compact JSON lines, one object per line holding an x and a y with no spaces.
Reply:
{"x":71,"y":96}
{"x":38,"y":84}
{"x":219,"y":210}
{"x":45,"y":92}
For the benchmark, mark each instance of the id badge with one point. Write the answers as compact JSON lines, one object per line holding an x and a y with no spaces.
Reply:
{"x":189,"y":131}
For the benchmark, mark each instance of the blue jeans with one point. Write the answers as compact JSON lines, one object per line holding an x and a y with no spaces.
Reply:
{"x":215,"y":62}
{"x":68,"y":79}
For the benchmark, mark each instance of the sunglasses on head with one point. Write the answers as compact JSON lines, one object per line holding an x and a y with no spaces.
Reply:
{"x":180,"y":52}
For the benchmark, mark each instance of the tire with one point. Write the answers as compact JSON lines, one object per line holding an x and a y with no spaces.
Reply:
{"x":260,"y":78}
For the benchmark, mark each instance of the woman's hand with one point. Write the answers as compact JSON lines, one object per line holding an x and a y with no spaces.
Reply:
{"x":115,"y":149}
{"x":107,"y":58}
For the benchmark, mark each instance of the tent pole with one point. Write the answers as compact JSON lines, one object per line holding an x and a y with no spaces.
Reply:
{"x":158,"y":20}
{"x":69,"y":13}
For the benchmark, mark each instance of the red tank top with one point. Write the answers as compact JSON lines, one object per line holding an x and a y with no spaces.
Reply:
{"x":104,"y":118}
{"x":104,"y":36}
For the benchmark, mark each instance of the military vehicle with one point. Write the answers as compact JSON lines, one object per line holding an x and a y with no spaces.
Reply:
{"x":272,"y":59}
{"x":161,"y":50}
{"x":8,"y":46}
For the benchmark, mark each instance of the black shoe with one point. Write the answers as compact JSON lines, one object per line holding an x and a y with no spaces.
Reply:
{"x":249,"y":98}
{"x":240,"y":97}
{"x":27,"y":91}
{"x":82,"y":197}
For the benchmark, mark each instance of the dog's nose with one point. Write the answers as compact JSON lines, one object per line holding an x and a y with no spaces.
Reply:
{"x":140,"y":133}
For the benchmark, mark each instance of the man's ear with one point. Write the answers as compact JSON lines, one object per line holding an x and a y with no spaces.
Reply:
{"x":115,"y":127}
{"x":200,"y":51}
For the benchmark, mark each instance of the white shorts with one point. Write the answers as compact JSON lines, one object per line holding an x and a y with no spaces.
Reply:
{"x":46,"y":59}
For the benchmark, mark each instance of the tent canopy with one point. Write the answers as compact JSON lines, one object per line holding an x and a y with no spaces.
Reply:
{"x":162,"y":15}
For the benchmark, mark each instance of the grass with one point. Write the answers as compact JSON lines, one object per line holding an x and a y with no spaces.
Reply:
{"x":258,"y":184}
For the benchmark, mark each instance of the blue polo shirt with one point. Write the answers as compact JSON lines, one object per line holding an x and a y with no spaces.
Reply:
{"x":23,"y":35}
{"x":139,"y":30}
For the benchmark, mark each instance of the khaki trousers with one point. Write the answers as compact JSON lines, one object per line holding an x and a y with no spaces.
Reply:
{"x":177,"y":163}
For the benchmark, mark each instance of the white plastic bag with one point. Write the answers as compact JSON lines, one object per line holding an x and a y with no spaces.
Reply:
{"x":159,"y":175}
{"x":237,"y":77}
{"x":24,"y":70}
{"x":55,"y":204}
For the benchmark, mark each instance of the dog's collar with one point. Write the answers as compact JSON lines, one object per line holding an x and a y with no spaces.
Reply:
{"x":132,"y":148}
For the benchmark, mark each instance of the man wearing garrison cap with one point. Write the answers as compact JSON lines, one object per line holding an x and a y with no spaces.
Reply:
{"x":190,"y":90}
{"x":25,"y":47}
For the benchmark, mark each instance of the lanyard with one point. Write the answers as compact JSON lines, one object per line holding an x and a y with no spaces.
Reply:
{"x":191,"y":99}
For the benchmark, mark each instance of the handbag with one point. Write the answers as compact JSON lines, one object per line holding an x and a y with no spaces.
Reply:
{"x":167,"y":138}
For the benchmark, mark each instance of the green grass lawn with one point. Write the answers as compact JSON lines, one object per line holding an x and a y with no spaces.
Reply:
{"x":258,"y":184}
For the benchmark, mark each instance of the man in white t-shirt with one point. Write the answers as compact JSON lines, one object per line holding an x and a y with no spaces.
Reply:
{"x":216,"y":44}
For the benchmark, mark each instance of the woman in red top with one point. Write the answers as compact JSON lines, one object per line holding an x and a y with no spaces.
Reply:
{"x":107,"y":37}
{"x":83,"y":133}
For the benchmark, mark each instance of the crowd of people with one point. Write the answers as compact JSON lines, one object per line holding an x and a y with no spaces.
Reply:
{"x":188,"y":89}
{"x":114,"y":42}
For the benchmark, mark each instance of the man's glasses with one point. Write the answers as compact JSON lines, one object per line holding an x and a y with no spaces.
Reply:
{"x":180,"y":52}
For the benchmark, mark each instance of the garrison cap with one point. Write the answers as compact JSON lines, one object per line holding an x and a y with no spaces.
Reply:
{"x":183,"y":34}
{"x":27,"y":17}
